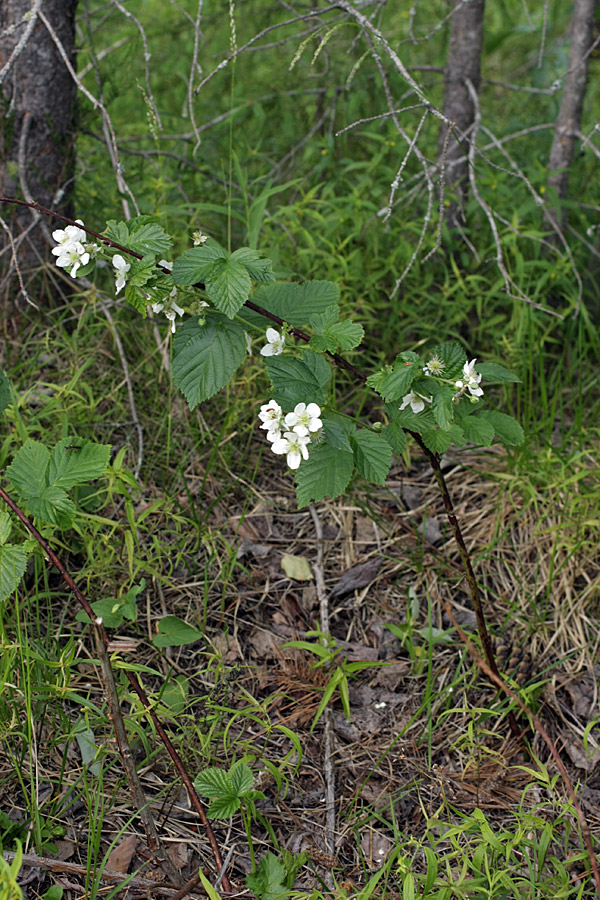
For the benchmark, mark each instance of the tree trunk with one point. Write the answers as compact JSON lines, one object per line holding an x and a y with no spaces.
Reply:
{"x":463,"y":65}
{"x":568,"y":122}
{"x":37,"y":128}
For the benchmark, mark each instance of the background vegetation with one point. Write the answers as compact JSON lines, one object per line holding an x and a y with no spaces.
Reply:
{"x":269,"y":125}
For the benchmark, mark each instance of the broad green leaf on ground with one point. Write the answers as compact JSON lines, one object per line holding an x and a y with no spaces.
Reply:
{"x":174,"y":632}
{"x":213,"y":782}
{"x":295,"y":382}
{"x":269,"y":880}
{"x":206,"y":356}
{"x":259,"y":268}
{"x":395,"y":435}
{"x":241,"y":777}
{"x":113,"y":611}
{"x":13,"y":562}
{"x":295,"y":303}
{"x":223,"y":807}
{"x":507,"y":430}
{"x":493,"y":372}
{"x":477,"y":429}
{"x":86,"y":742}
{"x":372,"y":455}
{"x":197,"y":264}
{"x":439,"y":441}
{"x":326,"y":473}
{"x":4,"y":391}
{"x":77,"y":461}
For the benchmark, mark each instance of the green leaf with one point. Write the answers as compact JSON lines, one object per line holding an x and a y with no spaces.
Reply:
{"x":296,"y":567}
{"x":137,"y":298}
{"x":229,"y":287}
{"x":507,"y":430}
{"x":395,"y":383}
{"x":86,"y":742}
{"x":336,"y":430}
{"x":322,"y":322}
{"x":174,"y":632}
{"x":269,"y":880}
{"x":452,"y":356}
{"x":148,"y":238}
{"x":5,"y":526}
{"x":242,"y":779}
{"x":295,"y":303}
{"x":141,"y":271}
{"x":213,"y":782}
{"x":27,"y":472}
{"x":223,"y":808}
{"x":326,"y":473}
{"x":77,"y":461}
{"x":478,"y":430}
{"x":294,"y":382}
{"x":259,"y":268}
{"x":13,"y":562}
{"x":108,"y":608}
{"x":395,"y":435}
{"x":493,"y":372}
{"x":205,"y":357}
{"x":319,"y":367}
{"x":331,"y":334}
{"x":52,"y":505}
{"x":347,"y":334}
{"x":443,"y":409}
{"x":372,"y":454}
{"x":4,"y":391}
{"x":439,"y":441}
{"x":197,"y":264}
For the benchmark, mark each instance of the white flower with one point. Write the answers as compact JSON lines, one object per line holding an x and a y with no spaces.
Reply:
{"x":199,"y":238}
{"x":165,"y":264}
{"x":470,"y":380}
{"x":275,"y":345}
{"x":435,"y":366}
{"x":294,"y":445}
{"x":271,"y":416}
{"x":304,"y":419}
{"x":74,"y":254}
{"x":69,"y":235}
{"x":417,"y":401}
{"x":122,"y":268}
{"x":170,"y":307}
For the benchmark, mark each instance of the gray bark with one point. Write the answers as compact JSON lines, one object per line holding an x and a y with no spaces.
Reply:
{"x":37,"y":125}
{"x":463,"y":64}
{"x":568,"y":122}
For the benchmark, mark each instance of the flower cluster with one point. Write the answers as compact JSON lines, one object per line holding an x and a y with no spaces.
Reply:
{"x":168,"y":305}
{"x":469,"y":382}
{"x":71,"y":252}
{"x":291,"y":433}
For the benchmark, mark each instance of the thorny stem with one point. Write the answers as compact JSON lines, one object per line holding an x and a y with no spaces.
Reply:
{"x":116,"y":716}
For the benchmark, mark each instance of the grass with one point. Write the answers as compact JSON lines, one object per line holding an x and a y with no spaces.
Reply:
{"x":424,"y":771}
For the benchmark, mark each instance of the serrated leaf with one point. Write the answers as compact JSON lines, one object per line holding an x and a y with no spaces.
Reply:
{"x":196,"y":263}
{"x":223,"y":808}
{"x":493,"y":372}
{"x":241,"y":777}
{"x":295,"y":303}
{"x":148,"y":238}
{"x":4,"y":391}
{"x":294,"y":382}
{"x":52,"y":505}
{"x":205,"y":357}
{"x":229,"y":288}
{"x":174,"y":632}
{"x":319,"y":367}
{"x":259,"y":268}
{"x":269,"y":880}
{"x":439,"y":441}
{"x":141,"y":271}
{"x":478,"y":430}
{"x":27,"y":472}
{"x":336,"y":430}
{"x":395,"y":435}
{"x":322,"y":322}
{"x":372,"y":455}
{"x":137,"y":298}
{"x":83,"y":462}
{"x":323,"y":343}
{"x":13,"y":562}
{"x":326,"y":473}
{"x":347,"y":334}
{"x":420,"y":422}
{"x":108,"y":608}
{"x":507,"y":430}
{"x":117,"y":232}
{"x":213,"y":782}
{"x":442,"y":406}
{"x":451,"y":355}
{"x":395,"y":383}
{"x":5,"y":526}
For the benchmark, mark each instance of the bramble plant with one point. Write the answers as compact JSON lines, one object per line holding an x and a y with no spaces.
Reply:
{"x":438,"y":397}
